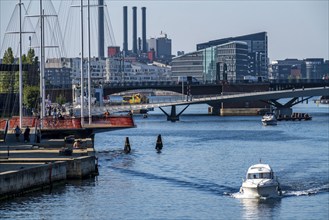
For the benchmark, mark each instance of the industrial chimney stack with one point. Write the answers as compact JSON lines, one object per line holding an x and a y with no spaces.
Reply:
{"x":101,"y":28}
{"x":144,"y":29}
{"x":125,"y":29}
{"x":135,"y":30}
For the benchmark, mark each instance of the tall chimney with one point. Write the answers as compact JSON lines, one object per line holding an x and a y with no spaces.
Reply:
{"x":101,"y":28}
{"x":135,"y":30}
{"x":125,"y":29}
{"x":144,"y":29}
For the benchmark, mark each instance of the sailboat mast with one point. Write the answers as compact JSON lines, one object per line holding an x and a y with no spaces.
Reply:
{"x":42,"y":95}
{"x":81,"y":84}
{"x":89,"y":77}
{"x":41,"y":63}
{"x":20,"y":67}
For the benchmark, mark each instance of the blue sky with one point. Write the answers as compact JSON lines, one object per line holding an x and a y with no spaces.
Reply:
{"x":296,"y":29}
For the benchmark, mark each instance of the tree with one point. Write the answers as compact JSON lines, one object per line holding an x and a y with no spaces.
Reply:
{"x":8,"y":57}
{"x":60,"y":99}
{"x":30,"y":58}
{"x":7,"y":79}
{"x":24,"y":59}
{"x":31,"y":96}
{"x":31,"y":76}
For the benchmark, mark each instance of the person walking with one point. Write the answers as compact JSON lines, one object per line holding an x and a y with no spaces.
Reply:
{"x":18,"y":132}
{"x":27,"y":134}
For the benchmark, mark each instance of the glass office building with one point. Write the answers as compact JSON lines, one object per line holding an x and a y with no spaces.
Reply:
{"x":257,"y":51}
{"x":228,"y":62}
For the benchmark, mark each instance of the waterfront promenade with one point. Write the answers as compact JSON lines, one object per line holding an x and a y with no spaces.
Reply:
{"x":26,"y":167}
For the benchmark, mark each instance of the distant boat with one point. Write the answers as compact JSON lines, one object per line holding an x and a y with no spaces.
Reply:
{"x":324,"y":100}
{"x":260,"y":183}
{"x":269,"y":119}
{"x":295,"y":116}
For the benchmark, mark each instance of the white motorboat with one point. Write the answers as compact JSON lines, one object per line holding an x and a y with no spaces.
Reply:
{"x":260,"y":183}
{"x":269,"y":119}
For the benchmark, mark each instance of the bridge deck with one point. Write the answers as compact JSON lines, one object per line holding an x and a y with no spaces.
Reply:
{"x":217,"y":98}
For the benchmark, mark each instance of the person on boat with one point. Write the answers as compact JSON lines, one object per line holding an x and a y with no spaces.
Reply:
{"x":27,"y":134}
{"x":77,"y":144}
{"x":60,"y":116}
{"x":71,"y":112}
{"x":107,"y":114}
{"x":18,"y":132}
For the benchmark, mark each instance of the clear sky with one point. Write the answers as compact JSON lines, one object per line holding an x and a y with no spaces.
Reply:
{"x":296,"y":29}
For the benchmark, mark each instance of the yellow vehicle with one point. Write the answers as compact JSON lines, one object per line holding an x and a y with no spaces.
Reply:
{"x":135,"y":99}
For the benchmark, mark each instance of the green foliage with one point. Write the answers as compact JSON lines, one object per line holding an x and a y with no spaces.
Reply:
{"x":24,"y":59}
{"x":8,"y":57}
{"x":4,"y":82}
{"x":31,"y":96}
{"x":9,"y":82}
{"x":60,"y":99}
{"x":7,"y":79}
{"x":30,"y":58}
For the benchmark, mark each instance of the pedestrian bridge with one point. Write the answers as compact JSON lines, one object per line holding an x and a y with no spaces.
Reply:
{"x":269,"y":97}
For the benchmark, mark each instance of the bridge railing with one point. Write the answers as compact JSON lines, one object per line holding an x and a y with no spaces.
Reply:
{"x":175,"y":83}
{"x":183,"y":98}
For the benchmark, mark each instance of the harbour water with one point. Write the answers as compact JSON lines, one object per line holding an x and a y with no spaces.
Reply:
{"x":201,"y":166}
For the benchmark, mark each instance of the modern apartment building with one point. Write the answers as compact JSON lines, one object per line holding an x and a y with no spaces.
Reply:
{"x":315,"y":68}
{"x":97,"y":70}
{"x":58,"y":73}
{"x":118,"y":71}
{"x":64,"y":72}
{"x":309,"y":68}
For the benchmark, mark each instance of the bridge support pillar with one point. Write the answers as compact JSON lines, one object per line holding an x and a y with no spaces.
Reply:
{"x":285,"y":109}
{"x":214,"y":110}
{"x":282,"y":111}
{"x":173,"y":117}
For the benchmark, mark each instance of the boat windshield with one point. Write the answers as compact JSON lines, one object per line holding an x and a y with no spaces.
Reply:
{"x":260,"y":176}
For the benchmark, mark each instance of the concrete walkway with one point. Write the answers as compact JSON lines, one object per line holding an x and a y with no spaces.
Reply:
{"x":26,"y":154}
{"x":32,"y":166}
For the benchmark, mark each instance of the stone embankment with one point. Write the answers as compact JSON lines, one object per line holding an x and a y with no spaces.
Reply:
{"x":29,"y":167}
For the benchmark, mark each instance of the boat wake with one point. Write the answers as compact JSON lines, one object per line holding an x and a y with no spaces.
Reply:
{"x":201,"y":185}
{"x":239,"y":195}
{"x":308,"y":192}
{"x":287,"y":193}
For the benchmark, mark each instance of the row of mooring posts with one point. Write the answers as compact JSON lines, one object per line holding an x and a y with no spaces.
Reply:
{"x":158,"y":145}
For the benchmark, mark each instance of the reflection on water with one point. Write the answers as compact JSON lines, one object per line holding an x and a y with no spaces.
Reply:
{"x":196,"y":175}
{"x":260,"y":208}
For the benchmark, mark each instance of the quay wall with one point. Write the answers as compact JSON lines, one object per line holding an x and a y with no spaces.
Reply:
{"x":81,"y":167}
{"x":239,"y":111}
{"x":15,"y":182}
{"x":26,"y":176}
